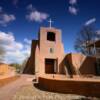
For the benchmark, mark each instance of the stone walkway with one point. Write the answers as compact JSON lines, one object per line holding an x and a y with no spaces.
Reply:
{"x":8,"y":91}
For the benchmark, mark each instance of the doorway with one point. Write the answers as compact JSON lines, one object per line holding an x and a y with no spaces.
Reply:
{"x":50,"y":66}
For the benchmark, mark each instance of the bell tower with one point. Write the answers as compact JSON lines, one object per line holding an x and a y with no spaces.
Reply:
{"x":47,"y":52}
{"x":51,"y":50}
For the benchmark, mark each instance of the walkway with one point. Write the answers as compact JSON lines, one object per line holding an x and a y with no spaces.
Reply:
{"x":8,"y":91}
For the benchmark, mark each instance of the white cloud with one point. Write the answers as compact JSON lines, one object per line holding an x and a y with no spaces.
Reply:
{"x":72,"y":2}
{"x":35,"y":15}
{"x":16,"y":52}
{"x":93,"y":20}
{"x":73,"y":10}
{"x":27,"y":41}
{"x":5,"y":18}
{"x":6,"y":37}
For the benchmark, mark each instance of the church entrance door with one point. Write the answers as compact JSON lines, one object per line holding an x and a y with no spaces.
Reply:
{"x":50,"y":66}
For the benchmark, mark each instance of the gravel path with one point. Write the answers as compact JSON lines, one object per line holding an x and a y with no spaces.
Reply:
{"x":8,"y":91}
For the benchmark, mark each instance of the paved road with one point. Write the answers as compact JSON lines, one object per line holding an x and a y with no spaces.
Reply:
{"x":8,"y":91}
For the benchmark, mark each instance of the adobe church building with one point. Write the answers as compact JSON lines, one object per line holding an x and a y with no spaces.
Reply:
{"x":48,"y":57}
{"x":47,"y":53}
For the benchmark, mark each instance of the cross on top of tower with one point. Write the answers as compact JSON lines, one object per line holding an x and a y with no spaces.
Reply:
{"x":50,"y":22}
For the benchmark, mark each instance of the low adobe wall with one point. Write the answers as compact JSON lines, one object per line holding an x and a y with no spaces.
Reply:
{"x":7,"y":70}
{"x":87,"y":87}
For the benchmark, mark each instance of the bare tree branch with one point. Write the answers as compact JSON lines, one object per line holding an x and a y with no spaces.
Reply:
{"x":86,"y":35}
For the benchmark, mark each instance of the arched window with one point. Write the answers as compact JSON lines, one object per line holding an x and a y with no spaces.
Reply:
{"x":51,"y":36}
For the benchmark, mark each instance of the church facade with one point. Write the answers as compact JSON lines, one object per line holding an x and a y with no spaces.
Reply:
{"x":47,"y":52}
{"x":48,"y":57}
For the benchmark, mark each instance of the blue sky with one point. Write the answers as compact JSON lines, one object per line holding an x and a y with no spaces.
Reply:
{"x":22,"y":19}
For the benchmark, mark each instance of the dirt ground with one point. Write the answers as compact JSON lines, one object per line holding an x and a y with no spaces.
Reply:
{"x":32,"y":93}
{"x":8,"y":80}
{"x":24,"y":89}
{"x":9,"y":90}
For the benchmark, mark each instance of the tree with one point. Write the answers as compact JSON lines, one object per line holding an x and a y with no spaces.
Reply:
{"x":24,"y":64}
{"x":86,"y":35}
{"x":20,"y":67}
{"x":17,"y":66}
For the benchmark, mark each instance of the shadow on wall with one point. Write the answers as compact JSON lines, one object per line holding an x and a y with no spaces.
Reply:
{"x":78,"y":64}
{"x":30,"y":66}
{"x":65,"y":67}
{"x":88,"y":66}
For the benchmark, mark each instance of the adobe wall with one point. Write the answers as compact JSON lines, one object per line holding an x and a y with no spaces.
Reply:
{"x":85,"y":64}
{"x":87,"y":87}
{"x":6,"y":70}
{"x":30,"y":66}
{"x":37,"y":61}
